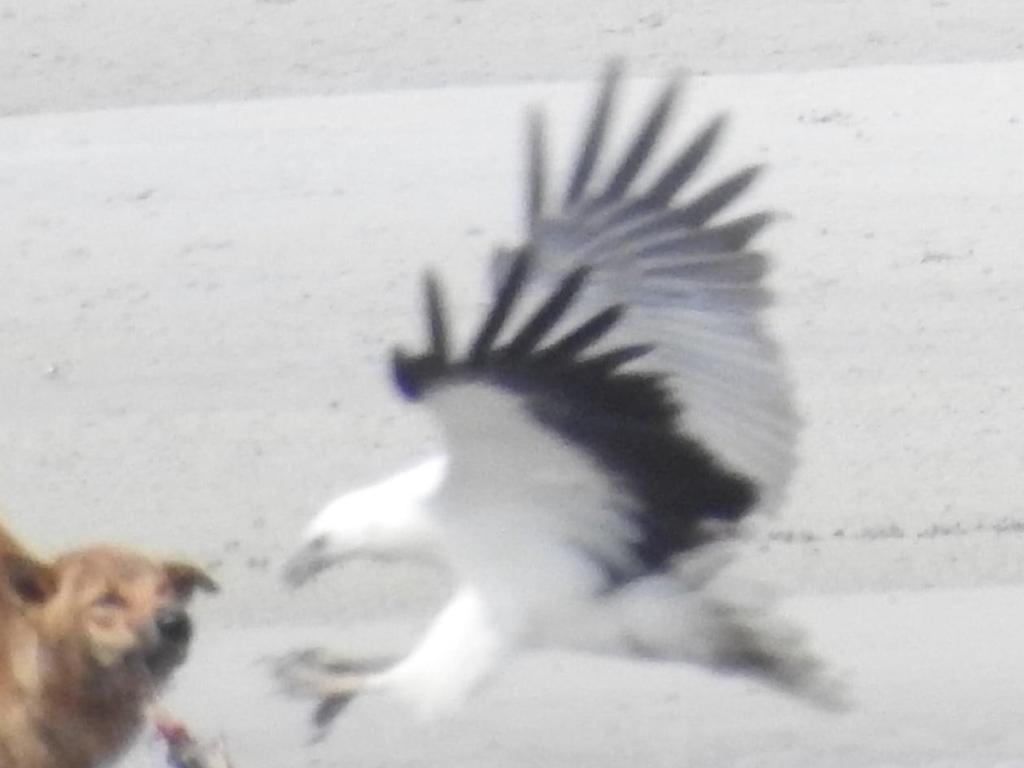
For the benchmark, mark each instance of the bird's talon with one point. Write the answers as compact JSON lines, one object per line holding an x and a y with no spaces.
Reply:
{"x":316,"y":673}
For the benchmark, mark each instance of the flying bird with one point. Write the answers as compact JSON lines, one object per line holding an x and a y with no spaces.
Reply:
{"x":618,"y":413}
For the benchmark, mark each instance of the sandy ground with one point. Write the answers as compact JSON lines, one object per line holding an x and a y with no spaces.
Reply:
{"x":935,"y":679}
{"x":196,"y":303}
{"x":69,"y":54}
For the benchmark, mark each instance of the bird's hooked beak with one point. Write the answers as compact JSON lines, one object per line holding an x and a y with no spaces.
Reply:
{"x":313,"y":556}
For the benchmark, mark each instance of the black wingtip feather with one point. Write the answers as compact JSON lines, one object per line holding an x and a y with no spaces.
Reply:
{"x":412,"y":373}
{"x":644,"y":143}
{"x":700,"y":211}
{"x":507,"y":294}
{"x":729,"y":237}
{"x":689,"y":161}
{"x":585,"y":335}
{"x":436,"y":318}
{"x":738,"y":233}
{"x":608,"y":362}
{"x":595,"y":136}
{"x":547,"y":316}
{"x":536,"y":180}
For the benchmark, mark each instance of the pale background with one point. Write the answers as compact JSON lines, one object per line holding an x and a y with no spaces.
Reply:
{"x":214,"y":216}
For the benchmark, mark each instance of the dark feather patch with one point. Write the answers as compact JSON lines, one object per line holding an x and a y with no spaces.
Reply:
{"x":545,"y":318}
{"x":624,"y":418}
{"x":598,"y":399}
{"x":595,"y":136}
{"x":608,"y":362}
{"x":705,"y":207}
{"x":586,"y":335}
{"x":535,"y":182}
{"x":411,"y":372}
{"x":684,"y":166}
{"x":725,"y":239}
{"x":589,"y":215}
{"x":436,"y":320}
{"x":642,"y":145}
{"x":508,"y":294}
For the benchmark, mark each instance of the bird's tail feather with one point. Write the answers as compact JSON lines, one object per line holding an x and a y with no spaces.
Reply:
{"x":728,"y":626}
{"x":766,"y":646}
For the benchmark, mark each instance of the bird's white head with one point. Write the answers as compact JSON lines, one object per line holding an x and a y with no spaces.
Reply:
{"x":386,"y":521}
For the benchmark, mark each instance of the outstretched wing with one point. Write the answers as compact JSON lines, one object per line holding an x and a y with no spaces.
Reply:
{"x":560,"y":443}
{"x":636,"y":403}
{"x":694,"y":287}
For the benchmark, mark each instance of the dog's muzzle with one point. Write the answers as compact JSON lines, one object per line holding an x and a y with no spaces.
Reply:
{"x":173,"y":626}
{"x":173,"y":633}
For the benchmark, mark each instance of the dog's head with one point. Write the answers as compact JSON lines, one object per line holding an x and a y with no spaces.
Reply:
{"x":110,"y":611}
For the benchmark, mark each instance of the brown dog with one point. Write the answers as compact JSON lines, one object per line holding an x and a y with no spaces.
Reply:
{"x":85,"y":642}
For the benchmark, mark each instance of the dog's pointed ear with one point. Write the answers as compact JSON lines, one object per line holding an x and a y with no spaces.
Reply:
{"x":187,"y":578}
{"x":30,"y":580}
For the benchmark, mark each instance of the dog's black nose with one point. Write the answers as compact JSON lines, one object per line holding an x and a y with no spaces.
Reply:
{"x":174,"y":625}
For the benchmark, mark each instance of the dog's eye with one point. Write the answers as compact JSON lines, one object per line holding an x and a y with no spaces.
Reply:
{"x":110,"y":599}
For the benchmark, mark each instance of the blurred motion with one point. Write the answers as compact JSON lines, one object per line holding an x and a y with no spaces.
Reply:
{"x":619,"y":414}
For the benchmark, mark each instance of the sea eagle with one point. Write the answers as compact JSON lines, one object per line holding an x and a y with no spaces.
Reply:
{"x":618,"y":412}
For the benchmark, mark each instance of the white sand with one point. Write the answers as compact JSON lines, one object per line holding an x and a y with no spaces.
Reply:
{"x":197,"y":301}
{"x":936,"y":679}
{"x":58,"y":55}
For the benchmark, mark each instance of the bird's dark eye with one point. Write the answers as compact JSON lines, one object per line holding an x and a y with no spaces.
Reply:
{"x":319,"y":544}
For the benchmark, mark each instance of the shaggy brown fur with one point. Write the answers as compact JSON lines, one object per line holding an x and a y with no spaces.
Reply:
{"x":85,"y":642}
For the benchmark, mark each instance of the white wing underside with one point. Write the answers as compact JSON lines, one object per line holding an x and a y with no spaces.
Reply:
{"x":720,"y":365}
{"x":525,"y":516}
{"x":703,"y":317}
{"x":718,"y":362}
{"x":691,"y":286}
{"x":518,"y":514}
